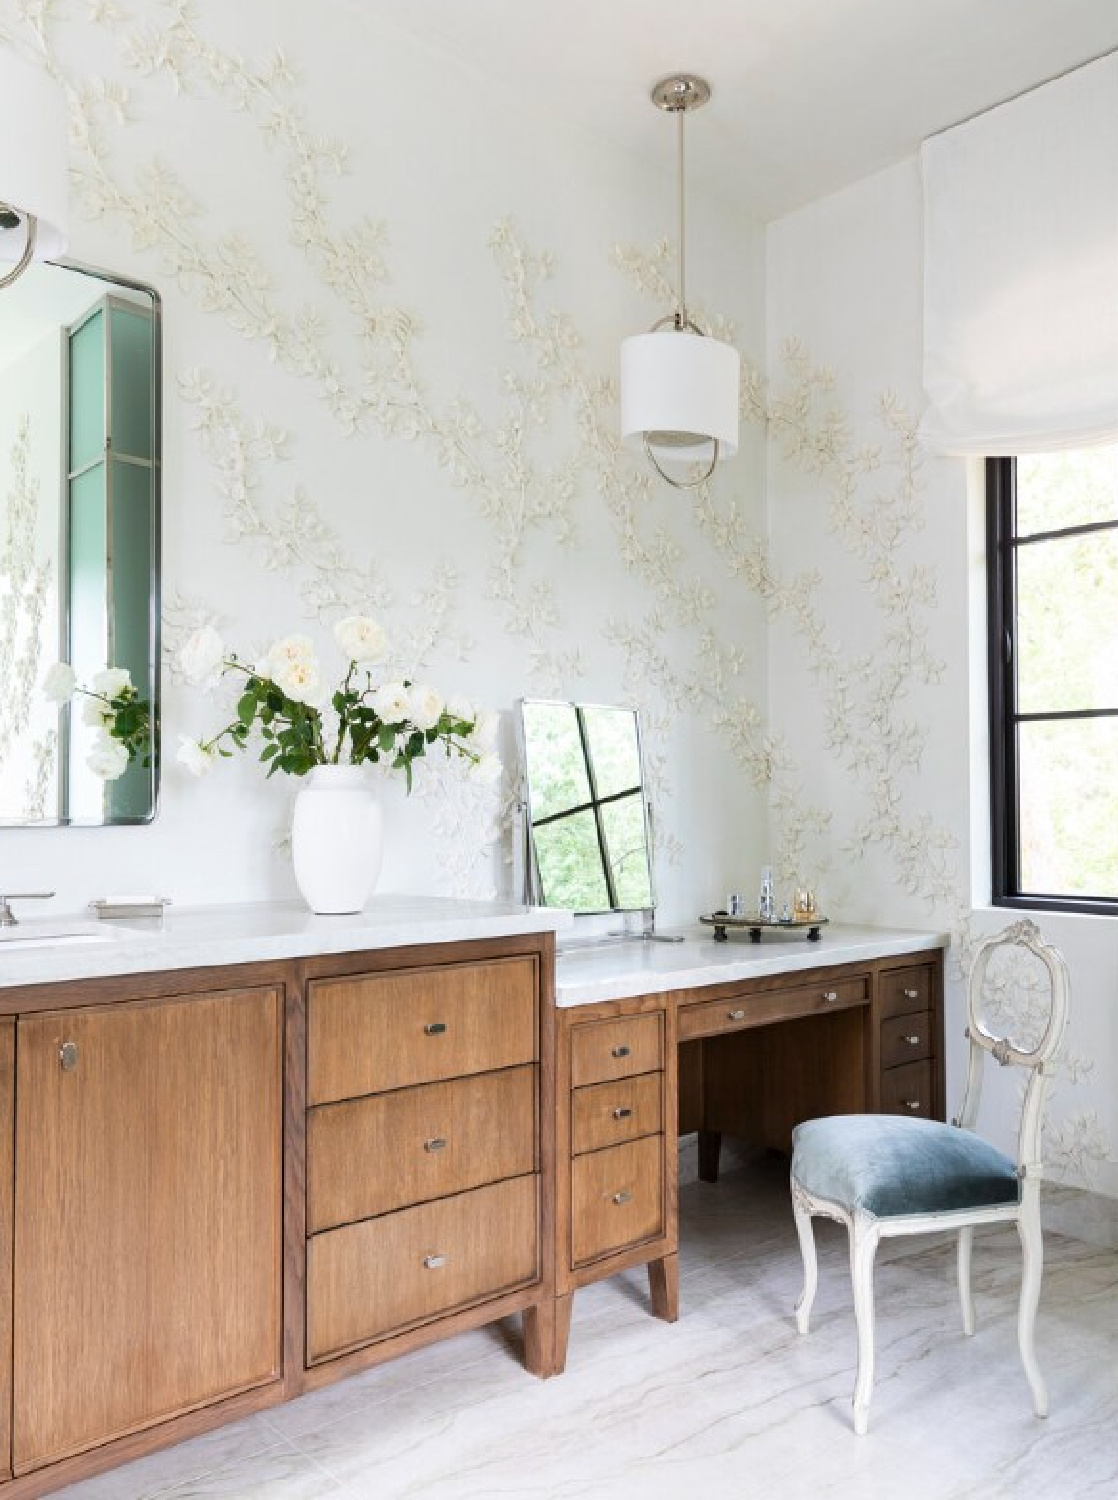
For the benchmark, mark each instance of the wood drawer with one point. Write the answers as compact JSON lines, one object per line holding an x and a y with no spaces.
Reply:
{"x":604,"y":1114}
{"x":374,"y":1278}
{"x":386,"y":1151}
{"x":907,"y":1090}
{"x":601,"y":1050}
{"x":906,"y":1039}
{"x":905,"y":990}
{"x":616,"y":1198}
{"x":713,"y":1017}
{"x":372,"y":1032}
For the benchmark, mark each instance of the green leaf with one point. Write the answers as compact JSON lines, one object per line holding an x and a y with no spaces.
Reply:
{"x":246,"y":708}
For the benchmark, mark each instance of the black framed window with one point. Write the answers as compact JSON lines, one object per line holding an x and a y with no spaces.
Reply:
{"x":1052,"y":559}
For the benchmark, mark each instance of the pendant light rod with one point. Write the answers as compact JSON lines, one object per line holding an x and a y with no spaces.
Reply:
{"x":678,"y":94}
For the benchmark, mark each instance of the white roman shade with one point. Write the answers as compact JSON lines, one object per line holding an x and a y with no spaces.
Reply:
{"x":1021,"y":272}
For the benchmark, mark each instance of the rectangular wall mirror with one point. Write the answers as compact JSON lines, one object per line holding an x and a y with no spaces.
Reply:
{"x":79,"y":532}
{"x":589,"y":848}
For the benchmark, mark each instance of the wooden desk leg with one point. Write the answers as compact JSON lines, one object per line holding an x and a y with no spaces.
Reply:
{"x":663,"y":1284}
{"x":710,"y":1148}
{"x":547,"y":1328}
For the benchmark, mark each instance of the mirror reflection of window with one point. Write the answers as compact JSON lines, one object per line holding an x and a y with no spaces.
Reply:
{"x":587,"y":807}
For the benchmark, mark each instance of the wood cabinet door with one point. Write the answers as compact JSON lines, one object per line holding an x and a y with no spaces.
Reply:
{"x":147,"y":1215}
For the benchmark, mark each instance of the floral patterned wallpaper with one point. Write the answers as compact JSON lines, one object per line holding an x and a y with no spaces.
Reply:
{"x":391,"y":330}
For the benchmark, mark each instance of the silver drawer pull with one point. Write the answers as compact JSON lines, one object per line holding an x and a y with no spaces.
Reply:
{"x":621,"y":1051}
{"x":830,"y":996}
{"x":436,"y":1143}
{"x":913,"y":1104}
{"x":623,"y":1197}
{"x":913,"y":1040}
{"x":622,"y":1112}
{"x":435,"y":1028}
{"x":434,"y":1262}
{"x":735,"y":1015}
{"x":912,"y":994}
{"x":68,"y":1056}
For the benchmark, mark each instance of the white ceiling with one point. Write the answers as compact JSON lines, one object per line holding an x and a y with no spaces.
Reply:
{"x":808,"y":95}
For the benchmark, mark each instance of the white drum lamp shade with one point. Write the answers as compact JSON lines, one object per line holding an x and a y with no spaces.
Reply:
{"x":34,"y":158}
{"x":680,"y":393}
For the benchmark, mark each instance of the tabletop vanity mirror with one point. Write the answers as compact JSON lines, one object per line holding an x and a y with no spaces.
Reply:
{"x":588,"y":845}
{"x":79,"y":532}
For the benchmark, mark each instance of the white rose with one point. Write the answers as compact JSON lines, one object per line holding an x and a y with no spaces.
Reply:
{"x":290,"y":650}
{"x":194,"y":756}
{"x":108,"y":759}
{"x":202,"y":658}
{"x":96,"y":713}
{"x":461,"y":710}
{"x":299,"y":680}
{"x":361,"y":639}
{"x":486,"y":769}
{"x":60,"y":682}
{"x":112,"y":681}
{"x":390,"y":703}
{"x":487,"y":730}
{"x":425,"y":707}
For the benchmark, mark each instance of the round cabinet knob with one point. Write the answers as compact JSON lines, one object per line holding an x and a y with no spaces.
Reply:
{"x":912,"y":994}
{"x":436,"y":1143}
{"x":736,"y":1015}
{"x":434,"y":1262}
{"x":622,"y":1112}
{"x":623,"y":1197}
{"x":830,"y":996}
{"x":912,"y":1040}
{"x":913,"y":1104}
{"x":435,"y":1028}
{"x":621,"y":1051}
{"x":68,"y":1056}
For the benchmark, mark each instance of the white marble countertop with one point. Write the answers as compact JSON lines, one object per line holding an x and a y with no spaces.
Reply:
{"x":45,"y":950}
{"x":616,"y":971}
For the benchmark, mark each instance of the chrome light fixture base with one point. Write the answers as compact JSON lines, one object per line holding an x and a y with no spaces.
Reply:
{"x":680,"y":91}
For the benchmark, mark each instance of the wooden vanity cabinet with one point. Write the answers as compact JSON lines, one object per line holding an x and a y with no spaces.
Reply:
{"x":425,"y":1144}
{"x":910,"y":1038}
{"x":147,"y":1217}
{"x":616,"y":1156}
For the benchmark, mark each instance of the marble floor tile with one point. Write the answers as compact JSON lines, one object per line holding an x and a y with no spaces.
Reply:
{"x":728,"y":1402}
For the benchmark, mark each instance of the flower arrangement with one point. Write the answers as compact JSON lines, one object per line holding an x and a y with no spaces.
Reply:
{"x":114,"y":708}
{"x":302,"y":724}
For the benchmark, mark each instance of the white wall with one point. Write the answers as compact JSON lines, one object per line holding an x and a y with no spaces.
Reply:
{"x":875,"y":689}
{"x":372,"y":401}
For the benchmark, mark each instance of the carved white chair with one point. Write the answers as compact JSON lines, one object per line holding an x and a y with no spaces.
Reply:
{"x":891,"y":1175}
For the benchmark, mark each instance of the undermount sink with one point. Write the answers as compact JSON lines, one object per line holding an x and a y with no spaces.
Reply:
{"x":53,"y":935}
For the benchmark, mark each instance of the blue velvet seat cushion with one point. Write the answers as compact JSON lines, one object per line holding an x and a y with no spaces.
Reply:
{"x":891,"y":1165}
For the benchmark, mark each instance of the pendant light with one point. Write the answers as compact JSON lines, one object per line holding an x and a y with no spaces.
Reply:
{"x":679,"y":388}
{"x":34,"y":167}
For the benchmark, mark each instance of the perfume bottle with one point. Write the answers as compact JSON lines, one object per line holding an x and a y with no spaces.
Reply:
{"x":766,"y":901}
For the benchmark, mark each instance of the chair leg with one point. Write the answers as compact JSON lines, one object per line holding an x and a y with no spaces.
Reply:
{"x":806,"y":1232}
{"x":966,"y":1301}
{"x":1032,"y":1267}
{"x":863,"y":1248}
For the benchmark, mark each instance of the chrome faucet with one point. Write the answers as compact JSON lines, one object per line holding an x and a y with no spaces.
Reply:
{"x":8,"y":917}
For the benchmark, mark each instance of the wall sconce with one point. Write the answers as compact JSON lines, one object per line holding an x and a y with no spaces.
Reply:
{"x":679,"y":387}
{"x":34,"y":167}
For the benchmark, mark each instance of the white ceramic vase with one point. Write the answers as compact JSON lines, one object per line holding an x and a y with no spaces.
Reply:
{"x":336,"y":842}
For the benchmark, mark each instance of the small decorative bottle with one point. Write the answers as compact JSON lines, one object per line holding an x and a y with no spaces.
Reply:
{"x":766,"y":901}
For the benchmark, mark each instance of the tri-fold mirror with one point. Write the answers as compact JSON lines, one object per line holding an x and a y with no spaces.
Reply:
{"x":79,"y":533}
{"x":587,"y":812}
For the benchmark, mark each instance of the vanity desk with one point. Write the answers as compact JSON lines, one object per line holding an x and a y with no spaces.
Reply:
{"x":254,"y":1151}
{"x":662,"y":1039}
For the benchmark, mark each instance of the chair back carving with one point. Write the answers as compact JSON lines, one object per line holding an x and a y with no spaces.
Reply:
{"x":1037,"y":1059}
